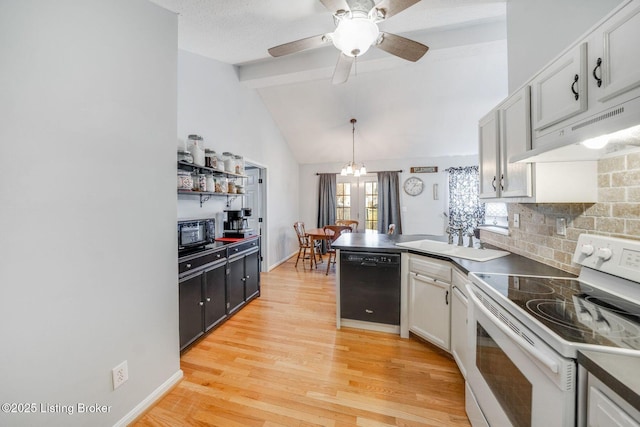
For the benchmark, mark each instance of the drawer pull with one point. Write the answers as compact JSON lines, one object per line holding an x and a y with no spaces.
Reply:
{"x":368,"y":311}
{"x":188,"y":265}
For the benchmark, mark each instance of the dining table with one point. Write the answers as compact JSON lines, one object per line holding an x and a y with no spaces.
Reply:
{"x":317,"y":234}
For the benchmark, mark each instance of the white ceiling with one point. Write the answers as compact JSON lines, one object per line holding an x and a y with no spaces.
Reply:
{"x":404,"y":110}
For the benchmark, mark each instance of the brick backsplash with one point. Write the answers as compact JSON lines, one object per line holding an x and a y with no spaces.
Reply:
{"x":617,"y":213}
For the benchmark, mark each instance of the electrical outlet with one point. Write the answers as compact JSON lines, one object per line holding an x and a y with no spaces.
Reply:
{"x":561,"y":226}
{"x":120,"y":374}
{"x":516,"y":220}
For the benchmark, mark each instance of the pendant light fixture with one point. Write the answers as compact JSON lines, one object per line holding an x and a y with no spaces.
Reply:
{"x":352,"y":168}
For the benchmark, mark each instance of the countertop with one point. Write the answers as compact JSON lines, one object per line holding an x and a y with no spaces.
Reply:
{"x":510,"y":264}
{"x":616,"y":371}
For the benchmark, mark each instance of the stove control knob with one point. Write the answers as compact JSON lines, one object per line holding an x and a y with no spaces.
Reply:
{"x":586,"y":250}
{"x":604,"y":254}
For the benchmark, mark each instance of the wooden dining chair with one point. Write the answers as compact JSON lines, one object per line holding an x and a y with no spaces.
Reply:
{"x":337,"y":231}
{"x":304,"y":243}
{"x":348,"y":222}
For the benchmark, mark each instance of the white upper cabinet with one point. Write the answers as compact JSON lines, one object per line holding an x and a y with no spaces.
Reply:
{"x":614,"y":59}
{"x":515,"y":138}
{"x":592,"y":89}
{"x":489,"y":134}
{"x":559,"y":92}
{"x":505,"y":132}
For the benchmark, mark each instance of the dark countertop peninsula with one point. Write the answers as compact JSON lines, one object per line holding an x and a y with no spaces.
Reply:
{"x":618,"y":372}
{"x":510,"y":264}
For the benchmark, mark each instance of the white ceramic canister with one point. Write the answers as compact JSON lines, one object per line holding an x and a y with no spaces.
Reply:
{"x":196,"y":148}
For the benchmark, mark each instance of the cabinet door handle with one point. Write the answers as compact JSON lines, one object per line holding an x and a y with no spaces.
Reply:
{"x":595,"y":76}
{"x":574,"y":89}
{"x":244,"y":279}
{"x":208,"y":299}
{"x":201,"y":303}
{"x":493,"y":183}
{"x":188,"y":265}
{"x":502,"y":182}
{"x":446,"y":298}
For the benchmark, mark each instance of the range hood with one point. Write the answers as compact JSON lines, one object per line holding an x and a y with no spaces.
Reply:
{"x":620,"y":125}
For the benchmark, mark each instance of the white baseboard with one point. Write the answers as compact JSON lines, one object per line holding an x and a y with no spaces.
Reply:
{"x":282,"y":261}
{"x":150,"y":400}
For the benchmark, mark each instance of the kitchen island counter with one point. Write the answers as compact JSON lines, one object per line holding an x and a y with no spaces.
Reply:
{"x":510,"y":264}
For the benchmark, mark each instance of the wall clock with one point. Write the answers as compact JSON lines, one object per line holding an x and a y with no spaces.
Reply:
{"x":413,"y":186}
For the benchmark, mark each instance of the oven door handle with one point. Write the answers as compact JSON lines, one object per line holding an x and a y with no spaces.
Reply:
{"x":542,"y":358}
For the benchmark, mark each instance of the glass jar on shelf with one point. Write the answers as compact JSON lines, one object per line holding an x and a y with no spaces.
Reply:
{"x":231,"y":186}
{"x":239,"y":189}
{"x":195,"y":148}
{"x":239,"y":164}
{"x":210,"y":159}
{"x":210,"y":183}
{"x":185,"y":156}
{"x":229,"y":162}
{"x":185,"y":181}
{"x":224,"y":189}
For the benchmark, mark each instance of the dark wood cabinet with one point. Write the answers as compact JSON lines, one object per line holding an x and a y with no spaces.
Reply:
{"x":215,"y":296}
{"x":191,"y":309}
{"x":235,"y":284}
{"x":214,"y":284}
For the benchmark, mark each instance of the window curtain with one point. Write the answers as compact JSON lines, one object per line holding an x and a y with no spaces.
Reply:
{"x":388,"y":201}
{"x":465,"y":209}
{"x":326,"y":202}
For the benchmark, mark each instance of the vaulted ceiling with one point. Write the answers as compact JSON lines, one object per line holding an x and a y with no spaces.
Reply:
{"x":404,"y":109}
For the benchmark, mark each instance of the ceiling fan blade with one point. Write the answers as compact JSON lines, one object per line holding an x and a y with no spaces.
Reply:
{"x":335,"y":6}
{"x":343,"y":69}
{"x":299,"y":45}
{"x":402,"y":47}
{"x":393,"y":7}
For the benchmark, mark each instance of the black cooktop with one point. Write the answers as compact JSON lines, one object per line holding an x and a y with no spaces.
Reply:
{"x":572,"y":309}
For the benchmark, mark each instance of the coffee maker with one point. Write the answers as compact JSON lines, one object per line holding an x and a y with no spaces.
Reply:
{"x":237,"y":224}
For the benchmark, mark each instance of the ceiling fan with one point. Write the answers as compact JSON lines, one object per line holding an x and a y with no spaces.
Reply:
{"x":356,"y":30}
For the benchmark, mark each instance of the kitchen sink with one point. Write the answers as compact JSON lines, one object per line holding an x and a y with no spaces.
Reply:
{"x":445,"y":249}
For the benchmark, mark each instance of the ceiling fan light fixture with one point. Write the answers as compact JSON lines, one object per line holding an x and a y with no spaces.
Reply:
{"x":355,"y":36}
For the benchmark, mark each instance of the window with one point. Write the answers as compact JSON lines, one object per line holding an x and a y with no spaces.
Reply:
{"x":465,"y":209}
{"x":371,"y":205}
{"x":343,"y":204}
{"x":357,"y":198}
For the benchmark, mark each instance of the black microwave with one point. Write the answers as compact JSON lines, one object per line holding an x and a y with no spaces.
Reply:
{"x":196,"y":232}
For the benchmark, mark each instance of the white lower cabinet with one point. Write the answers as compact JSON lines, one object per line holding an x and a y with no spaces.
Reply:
{"x":459,"y":346}
{"x":606,"y":408}
{"x":430,"y":299}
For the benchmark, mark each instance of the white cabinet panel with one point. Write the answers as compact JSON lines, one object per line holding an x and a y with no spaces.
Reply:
{"x":614,"y":57}
{"x":515,"y":138}
{"x":506,"y":132}
{"x":459,"y":346}
{"x":429,"y":309}
{"x":489,"y":133}
{"x":560,"y":91}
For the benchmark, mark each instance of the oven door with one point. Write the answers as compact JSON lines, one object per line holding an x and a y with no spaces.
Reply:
{"x":515,"y":378}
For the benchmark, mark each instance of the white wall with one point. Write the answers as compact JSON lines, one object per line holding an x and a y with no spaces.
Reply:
{"x":537,"y":31}
{"x":421,"y":214}
{"x":230,"y":117}
{"x":87,"y":205}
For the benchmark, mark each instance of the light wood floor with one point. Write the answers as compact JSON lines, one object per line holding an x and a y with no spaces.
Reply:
{"x":281,"y":362}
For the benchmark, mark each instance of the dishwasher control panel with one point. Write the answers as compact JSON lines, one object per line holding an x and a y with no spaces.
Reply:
{"x":370,"y":258}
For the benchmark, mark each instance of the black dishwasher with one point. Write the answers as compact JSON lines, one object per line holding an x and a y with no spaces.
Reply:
{"x":370,"y":287}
